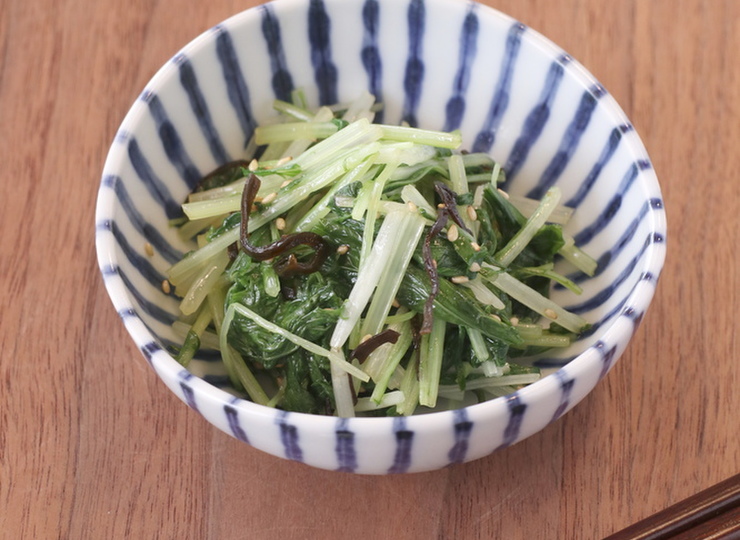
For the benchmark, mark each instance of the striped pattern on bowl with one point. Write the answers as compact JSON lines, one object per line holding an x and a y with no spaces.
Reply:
{"x":438,"y":64}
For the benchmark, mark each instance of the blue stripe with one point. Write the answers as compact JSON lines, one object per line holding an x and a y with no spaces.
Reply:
{"x":198,"y":104}
{"x":319,"y":37}
{"x":289,"y":438}
{"x":126,"y":313}
{"x":232,"y":417}
{"x":500,"y":102}
{"x":607,"y":357}
{"x":516,"y":416}
{"x":236,"y":86}
{"x":544,"y":363}
{"x":282,"y":81}
{"x":632,"y":314}
{"x":606,"y":154}
{"x":414,"y":75}
{"x":463,"y":428}
{"x":189,"y":395}
{"x":150,"y":308}
{"x":219,"y":381}
{"x":404,"y":442}
{"x":605,"y":294}
{"x":140,"y":262}
{"x":171,"y":142}
{"x":149,"y":350}
{"x":370,"y":54}
{"x":535,"y":122}
{"x":566,"y":388}
{"x":345,"y":447}
{"x":619,"y":309}
{"x":586,"y":234}
{"x":146,"y":229}
{"x":568,"y":145}
{"x":152,"y":182}
{"x":455,"y":109}
{"x":602,"y":263}
{"x":130,"y":312}
{"x":185,"y":375}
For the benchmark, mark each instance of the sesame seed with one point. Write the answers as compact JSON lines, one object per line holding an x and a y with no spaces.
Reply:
{"x":475,"y":246}
{"x":149,"y":249}
{"x":267,"y":199}
{"x":343,"y":249}
{"x":280,"y":224}
{"x":166,"y":289}
{"x":441,"y":205}
{"x":495,"y":317}
{"x":472,"y":214}
{"x":288,"y":181}
{"x":503,"y":193}
{"x":253,"y":165}
{"x":514,"y":321}
{"x":283,"y":161}
{"x":365,"y":338}
{"x":460,"y":279}
{"x":453,"y":233}
{"x":396,"y":303}
{"x":475,"y":267}
{"x":550,"y":314}
{"x":434,"y":263}
{"x":412,"y":207}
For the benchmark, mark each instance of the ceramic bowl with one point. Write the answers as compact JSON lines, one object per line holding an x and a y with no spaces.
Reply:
{"x":438,"y":64}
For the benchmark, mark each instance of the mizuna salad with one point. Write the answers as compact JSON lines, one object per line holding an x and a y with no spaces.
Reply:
{"x":358,"y":268}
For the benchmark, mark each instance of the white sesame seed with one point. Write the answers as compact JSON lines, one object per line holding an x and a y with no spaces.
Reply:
{"x":365,"y":338}
{"x":503,"y":193}
{"x":396,"y":303}
{"x":550,"y":314}
{"x":475,"y":246}
{"x":441,"y":205}
{"x":434,"y":263}
{"x":472,"y":214}
{"x":253,"y":165}
{"x":267,"y":199}
{"x":495,"y":317}
{"x":280,"y":224}
{"x":453,"y":233}
{"x":166,"y":289}
{"x":412,"y":207}
{"x":344,"y":248}
{"x":286,"y":183}
{"x":460,"y":279}
{"x":149,"y":249}
{"x":514,"y":321}
{"x":475,"y":267}
{"x":283,"y":161}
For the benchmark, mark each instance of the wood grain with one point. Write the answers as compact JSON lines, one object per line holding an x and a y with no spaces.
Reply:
{"x":92,"y":445}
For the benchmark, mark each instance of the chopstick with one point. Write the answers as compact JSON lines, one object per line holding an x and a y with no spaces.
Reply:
{"x":713,"y":513}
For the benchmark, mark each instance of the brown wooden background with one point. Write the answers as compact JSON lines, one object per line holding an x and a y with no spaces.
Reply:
{"x":92,"y":445}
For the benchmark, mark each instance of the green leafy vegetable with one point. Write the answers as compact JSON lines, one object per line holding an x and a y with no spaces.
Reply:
{"x":431,"y":281}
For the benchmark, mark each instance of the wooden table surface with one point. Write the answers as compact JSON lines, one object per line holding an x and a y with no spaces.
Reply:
{"x":92,"y":444}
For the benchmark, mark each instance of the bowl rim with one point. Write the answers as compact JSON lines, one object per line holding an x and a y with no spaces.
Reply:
{"x":639,"y":297}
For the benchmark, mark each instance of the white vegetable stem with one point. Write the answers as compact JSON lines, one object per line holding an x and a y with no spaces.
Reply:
{"x":438,"y":139}
{"x":430,"y":362}
{"x":407,"y":238}
{"x":534,"y":223}
{"x":385,"y":248}
{"x":533,"y":300}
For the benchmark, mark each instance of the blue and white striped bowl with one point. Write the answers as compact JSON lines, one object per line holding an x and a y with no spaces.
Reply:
{"x":439,"y":64}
